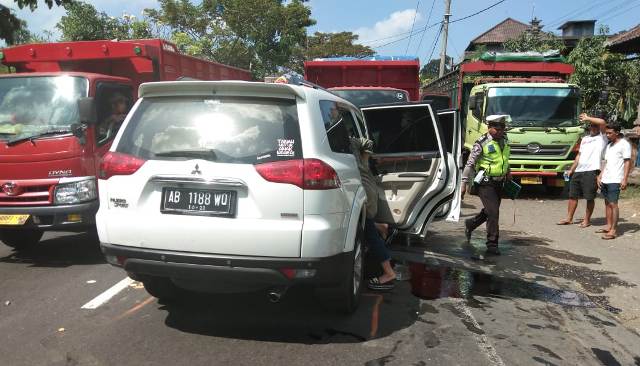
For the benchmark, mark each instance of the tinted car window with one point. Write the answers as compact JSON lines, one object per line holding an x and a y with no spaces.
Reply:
{"x":401,"y":130}
{"x":237,"y":130}
{"x":363,"y":97}
{"x":340,"y":126}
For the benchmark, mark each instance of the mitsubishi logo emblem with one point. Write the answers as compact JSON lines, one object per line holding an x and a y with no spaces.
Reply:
{"x":11,"y":189}
{"x":196,"y":170}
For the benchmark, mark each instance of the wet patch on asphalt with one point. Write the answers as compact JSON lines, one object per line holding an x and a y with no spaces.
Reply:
{"x":605,"y":357}
{"x":430,"y":283}
{"x":547,"y":351}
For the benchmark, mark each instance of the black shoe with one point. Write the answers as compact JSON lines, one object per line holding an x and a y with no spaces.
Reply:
{"x":492,"y":250}
{"x":467,"y":231}
{"x":392,"y":235}
{"x":374,"y":284}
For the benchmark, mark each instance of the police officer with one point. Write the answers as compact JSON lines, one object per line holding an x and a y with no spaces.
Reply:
{"x":488,"y":168}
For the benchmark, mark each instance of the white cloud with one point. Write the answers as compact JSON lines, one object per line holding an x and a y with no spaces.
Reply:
{"x":397,"y":22}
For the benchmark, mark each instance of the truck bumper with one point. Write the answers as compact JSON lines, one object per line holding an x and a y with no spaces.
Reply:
{"x":55,"y":218}
{"x":219,"y":273}
{"x":549,"y":172}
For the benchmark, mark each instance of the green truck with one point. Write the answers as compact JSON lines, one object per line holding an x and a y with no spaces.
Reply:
{"x":545,"y":130}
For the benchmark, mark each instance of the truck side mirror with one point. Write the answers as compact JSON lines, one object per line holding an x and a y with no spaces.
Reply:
{"x":472,"y":102}
{"x":87,"y":110}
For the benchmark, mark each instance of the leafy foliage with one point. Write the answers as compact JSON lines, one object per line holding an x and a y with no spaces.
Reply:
{"x":335,"y":45}
{"x":597,"y":70}
{"x":430,"y":70}
{"x":534,"y":41}
{"x":33,"y":4}
{"x":257,"y":34}
{"x":83,"y":22}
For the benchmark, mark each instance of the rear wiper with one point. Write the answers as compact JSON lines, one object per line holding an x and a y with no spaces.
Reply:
{"x":38,"y":135}
{"x":208,"y":154}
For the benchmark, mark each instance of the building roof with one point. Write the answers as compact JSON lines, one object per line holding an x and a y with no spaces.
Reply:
{"x":567,"y":24}
{"x":626,"y":42}
{"x":500,"y":33}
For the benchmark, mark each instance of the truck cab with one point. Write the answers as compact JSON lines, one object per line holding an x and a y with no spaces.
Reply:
{"x":544,"y":133}
{"x":61,"y":107}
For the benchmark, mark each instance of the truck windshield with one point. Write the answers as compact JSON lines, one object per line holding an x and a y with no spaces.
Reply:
{"x":535,"y":107}
{"x":32,"y":105}
{"x":362,"y":97}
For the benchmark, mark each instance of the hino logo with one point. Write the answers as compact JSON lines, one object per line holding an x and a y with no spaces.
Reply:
{"x":196,"y":170}
{"x":533,"y":148}
{"x":11,"y":189}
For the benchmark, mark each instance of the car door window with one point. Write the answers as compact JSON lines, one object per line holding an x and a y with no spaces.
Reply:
{"x":113,"y":102}
{"x":410,"y":161}
{"x":340,"y":126}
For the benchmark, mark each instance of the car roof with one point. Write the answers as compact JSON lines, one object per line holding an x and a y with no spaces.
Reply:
{"x":199,"y":88}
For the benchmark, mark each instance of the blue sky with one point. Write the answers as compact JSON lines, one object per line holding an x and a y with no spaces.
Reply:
{"x":380,"y":21}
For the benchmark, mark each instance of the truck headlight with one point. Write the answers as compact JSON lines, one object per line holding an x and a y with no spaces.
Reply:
{"x":75,"y":192}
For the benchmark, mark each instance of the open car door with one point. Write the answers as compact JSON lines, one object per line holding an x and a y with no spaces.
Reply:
{"x":450,"y":125}
{"x":417,"y":176}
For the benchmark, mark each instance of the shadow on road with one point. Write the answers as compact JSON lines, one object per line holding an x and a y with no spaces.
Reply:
{"x":60,"y":252}
{"x":298,"y":318}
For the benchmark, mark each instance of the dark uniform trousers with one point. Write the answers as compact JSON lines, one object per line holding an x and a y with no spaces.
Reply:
{"x":489,"y":193}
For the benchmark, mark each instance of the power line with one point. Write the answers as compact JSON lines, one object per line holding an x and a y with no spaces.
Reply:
{"x":428,"y":19}
{"x":403,"y":38}
{"x":427,"y":27}
{"x":435,"y":43}
{"x":478,"y":12}
{"x":574,"y":12}
{"x":618,"y":13}
{"x":415,"y":14}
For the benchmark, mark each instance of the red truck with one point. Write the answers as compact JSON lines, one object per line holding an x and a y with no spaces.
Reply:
{"x":60,"y":108}
{"x":368,"y":81}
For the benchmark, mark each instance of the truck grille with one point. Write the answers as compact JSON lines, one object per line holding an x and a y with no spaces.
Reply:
{"x":27,"y":193}
{"x":539,"y":150}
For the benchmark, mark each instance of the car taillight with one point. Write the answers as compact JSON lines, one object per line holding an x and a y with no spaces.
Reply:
{"x":310,"y":174}
{"x":114,"y":163}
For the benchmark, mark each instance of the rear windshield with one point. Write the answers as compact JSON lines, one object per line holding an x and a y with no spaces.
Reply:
{"x":236,"y":130}
{"x":363,"y":97}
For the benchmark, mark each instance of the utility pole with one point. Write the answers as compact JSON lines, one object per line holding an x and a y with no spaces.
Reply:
{"x":445,"y":35}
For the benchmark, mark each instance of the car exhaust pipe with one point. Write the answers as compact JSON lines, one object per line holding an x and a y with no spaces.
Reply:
{"x":276,"y":294}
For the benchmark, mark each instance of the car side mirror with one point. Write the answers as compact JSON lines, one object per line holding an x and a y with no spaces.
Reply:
{"x":87,"y":110}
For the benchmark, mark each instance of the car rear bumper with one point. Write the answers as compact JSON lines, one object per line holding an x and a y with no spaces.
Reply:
{"x":51,"y":218}
{"x":213,"y":273}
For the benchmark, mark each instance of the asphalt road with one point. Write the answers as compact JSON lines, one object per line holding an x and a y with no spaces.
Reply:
{"x":544,"y":301}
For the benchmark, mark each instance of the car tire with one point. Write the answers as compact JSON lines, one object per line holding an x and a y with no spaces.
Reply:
{"x":20,"y":239}
{"x":345,"y":298}
{"x":160,"y":287}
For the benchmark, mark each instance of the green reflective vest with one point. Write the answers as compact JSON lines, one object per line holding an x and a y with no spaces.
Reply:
{"x":494,"y":160}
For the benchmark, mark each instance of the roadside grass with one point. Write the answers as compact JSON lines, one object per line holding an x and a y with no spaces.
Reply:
{"x":632,"y":192}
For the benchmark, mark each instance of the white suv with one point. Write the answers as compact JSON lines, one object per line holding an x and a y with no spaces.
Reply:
{"x":238,"y":186}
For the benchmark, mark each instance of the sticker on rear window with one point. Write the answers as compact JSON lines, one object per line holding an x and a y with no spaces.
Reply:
{"x":285,"y":147}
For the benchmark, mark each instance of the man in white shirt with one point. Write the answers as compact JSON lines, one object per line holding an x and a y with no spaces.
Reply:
{"x":585,"y":170}
{"x":613,"y":177}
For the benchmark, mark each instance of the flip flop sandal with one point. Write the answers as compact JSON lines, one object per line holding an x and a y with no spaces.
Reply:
{"x":374,"y":284}
{"x":582,"y":226}
{"x":608,"y":237}
{"x":601,"y":231}
{"x":564,"y":222}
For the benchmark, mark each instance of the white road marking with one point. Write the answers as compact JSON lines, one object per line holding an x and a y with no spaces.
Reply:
{"x":107,"y":295}
{"x":481,"y":339}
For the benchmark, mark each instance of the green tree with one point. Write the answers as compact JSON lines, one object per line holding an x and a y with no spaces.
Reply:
{"x":82,"y":22}
{"x":335,"y":45}
{"x":257,"y":34}
{"x":14,"y":30}
{"x":598,"y":69}
{"x":532,"y":40}
{"x":431,"y":69}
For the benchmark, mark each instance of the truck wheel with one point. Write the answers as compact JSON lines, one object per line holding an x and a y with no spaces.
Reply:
{"x":160,"y":287}
{"x":346,"y":297}
{"x":20,"y":239}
